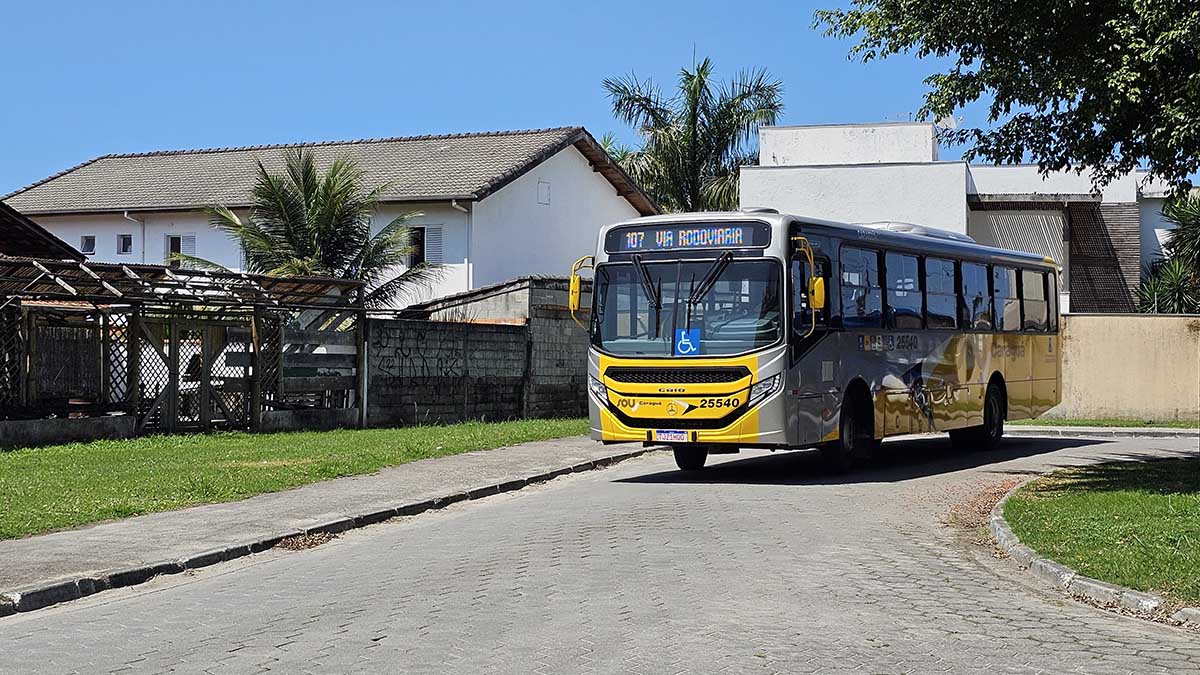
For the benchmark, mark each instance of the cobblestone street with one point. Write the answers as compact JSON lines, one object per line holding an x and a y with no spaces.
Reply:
{"x":761,"y":564}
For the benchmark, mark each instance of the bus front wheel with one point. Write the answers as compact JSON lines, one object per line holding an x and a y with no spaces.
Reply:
{"x":856,"y":439}
{"x":690,"y":457}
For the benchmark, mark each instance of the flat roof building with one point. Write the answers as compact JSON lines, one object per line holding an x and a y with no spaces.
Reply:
{"x":864,"y":173}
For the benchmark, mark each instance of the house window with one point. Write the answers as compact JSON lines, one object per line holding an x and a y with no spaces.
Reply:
{"x":87,"y":244}
{"x":124,"y":244}
{"x":177,"y":245}
{"x":416,"y":242}
{"x":426,"y":243}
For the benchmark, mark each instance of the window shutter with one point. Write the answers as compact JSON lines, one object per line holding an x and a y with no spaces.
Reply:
{"x":188,"y":244}
{"x":433,"y":244}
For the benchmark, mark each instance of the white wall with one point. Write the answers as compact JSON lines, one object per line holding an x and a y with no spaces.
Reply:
{"x":907,"y":142}
{"x":931,"y":194}
{"x":514,"y":235}
{"x":1154,"y":228}
{"x":1025,"y":179}
{"x":453,"y":223}
{"x":211,"y":244}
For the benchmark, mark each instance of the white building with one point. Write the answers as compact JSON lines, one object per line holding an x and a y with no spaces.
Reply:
{"x":493,"y":206}
{"x":891,"y":172}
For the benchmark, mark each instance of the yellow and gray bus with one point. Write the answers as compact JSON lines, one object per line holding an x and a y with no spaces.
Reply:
{"x":712,"y":332}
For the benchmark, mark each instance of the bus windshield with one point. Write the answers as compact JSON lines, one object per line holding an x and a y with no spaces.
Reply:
{"x":727,"y":306}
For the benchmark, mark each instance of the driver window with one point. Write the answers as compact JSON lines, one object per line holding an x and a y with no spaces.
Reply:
{"x":801,"y":315}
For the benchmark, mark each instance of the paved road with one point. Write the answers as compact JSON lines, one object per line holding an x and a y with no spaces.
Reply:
{"x":763,"y":565}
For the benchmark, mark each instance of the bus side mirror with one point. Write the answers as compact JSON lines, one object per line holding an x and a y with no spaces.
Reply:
{"x":816,"y":293}
{"x":573,"y":297}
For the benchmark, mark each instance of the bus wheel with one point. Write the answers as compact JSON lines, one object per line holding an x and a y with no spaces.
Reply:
{"x":690,"y":457}
{"x":988,"y":436}
{"x":855,"y":442}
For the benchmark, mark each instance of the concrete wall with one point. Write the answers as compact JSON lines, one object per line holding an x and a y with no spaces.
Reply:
{"x":515,"y":234}
{"x":933,"y":195}
{"x":847,"y":144}
{"x":1130,"y":366}
{"x":28,"y":433}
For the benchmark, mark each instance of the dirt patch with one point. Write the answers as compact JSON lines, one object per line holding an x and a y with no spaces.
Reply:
{"x":305,"y":541}
{"x":267,"y":463}
{"x":973,"y":512}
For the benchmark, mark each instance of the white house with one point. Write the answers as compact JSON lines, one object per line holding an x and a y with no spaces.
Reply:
{"x":493,"y":206}
{"x":863,"y":173}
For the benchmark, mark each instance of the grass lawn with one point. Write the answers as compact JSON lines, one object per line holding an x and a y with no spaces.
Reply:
{"x":63,"y":486}
{"x":1135,"y":524}
{"x":1068,"y":422}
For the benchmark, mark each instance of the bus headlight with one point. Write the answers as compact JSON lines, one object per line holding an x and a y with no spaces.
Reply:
{"x":598,"y":389}
{"x":764,"y":388}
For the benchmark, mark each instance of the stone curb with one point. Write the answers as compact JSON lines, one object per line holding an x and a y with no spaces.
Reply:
{"x":1097,"y":432}
{"x":1065,"y":579}
{"x":46,"y":594}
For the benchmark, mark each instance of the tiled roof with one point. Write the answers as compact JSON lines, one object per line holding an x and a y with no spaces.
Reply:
{"x":20,"y":236}
{"x":417,"y":168}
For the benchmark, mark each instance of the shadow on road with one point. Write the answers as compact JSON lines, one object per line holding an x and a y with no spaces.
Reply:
{"x":899,"y":460}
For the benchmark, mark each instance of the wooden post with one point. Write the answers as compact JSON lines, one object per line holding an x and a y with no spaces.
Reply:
{"x":23,"y":364}
{"x":30,"y":389}
{"x":204,"y":386}
{"x":256,"y":366}
{"x":171,"y":405}
{"x":105,"y":359}
{"x":133,"y":333}
{"x":360,"y":328}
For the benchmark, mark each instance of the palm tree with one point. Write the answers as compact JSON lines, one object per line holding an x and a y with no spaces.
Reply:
{"x":694,"y":141}
{"x":306,"y":222}
{"x":1184,"y":241}
{"x":1170,"y":287}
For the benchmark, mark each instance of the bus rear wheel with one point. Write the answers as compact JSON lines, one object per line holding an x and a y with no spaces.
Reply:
{"x":986,"y":437}
{"x":690,"y":457}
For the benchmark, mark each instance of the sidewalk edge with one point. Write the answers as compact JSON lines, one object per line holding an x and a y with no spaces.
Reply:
{"x":46,"y":594}
{"x":1067,"y":580}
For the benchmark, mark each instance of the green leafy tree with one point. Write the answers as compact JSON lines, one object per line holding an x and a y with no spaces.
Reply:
{"x":694,"y":141}
{"x":1106,"y":86}
{"x":309,"y":222}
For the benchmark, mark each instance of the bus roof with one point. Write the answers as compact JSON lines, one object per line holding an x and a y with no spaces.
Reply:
{"x":863,"y":233}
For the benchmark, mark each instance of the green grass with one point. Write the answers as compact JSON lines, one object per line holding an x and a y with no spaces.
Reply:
{"x":1135,"y":524}
{"x":1110,"y":422}
{"x":63,"y":486}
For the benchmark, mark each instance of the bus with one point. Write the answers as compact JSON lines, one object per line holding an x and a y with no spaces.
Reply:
{"x":712,"y":332}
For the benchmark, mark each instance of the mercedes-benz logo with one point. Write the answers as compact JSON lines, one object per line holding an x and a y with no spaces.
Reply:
{"x":672,"y":410}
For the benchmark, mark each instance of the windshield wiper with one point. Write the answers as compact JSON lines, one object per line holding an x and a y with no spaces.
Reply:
{"x":697,"y":293}
{"x":653,"y":295}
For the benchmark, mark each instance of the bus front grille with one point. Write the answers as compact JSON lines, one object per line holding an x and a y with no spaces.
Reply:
{"x":677,"y":375}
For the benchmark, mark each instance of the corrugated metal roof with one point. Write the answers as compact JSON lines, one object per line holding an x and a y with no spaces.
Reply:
{"x":416,"y":168}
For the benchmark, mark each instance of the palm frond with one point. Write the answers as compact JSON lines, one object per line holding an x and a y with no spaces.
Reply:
{"x":405,"y":287}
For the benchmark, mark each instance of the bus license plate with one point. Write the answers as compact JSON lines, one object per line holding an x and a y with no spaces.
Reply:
{"x":670,"y":436}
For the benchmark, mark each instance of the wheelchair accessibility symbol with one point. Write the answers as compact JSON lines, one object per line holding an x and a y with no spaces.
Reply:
{"x":687,"y":341}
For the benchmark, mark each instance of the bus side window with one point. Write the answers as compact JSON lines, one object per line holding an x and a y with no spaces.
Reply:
{"x":801,"y":314}
{"x":939,"y":294}
{"x":862,"y":295}
{"x":1033,"y":298}
{"x":1006,"y":301}
{"x":974,"y":298}
{"x":903,"y":291}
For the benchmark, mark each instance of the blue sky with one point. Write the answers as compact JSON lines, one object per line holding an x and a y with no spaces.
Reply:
{"x":85,"y":79}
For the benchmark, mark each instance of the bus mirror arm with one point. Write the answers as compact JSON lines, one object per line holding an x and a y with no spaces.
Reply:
{"x":816,"y":285}
{"x":576,"y":286}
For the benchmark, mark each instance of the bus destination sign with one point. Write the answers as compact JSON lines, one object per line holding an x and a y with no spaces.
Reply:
{"x":680,"y":236}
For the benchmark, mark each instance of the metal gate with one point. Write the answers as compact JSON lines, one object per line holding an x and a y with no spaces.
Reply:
{"x":193,"y":374}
